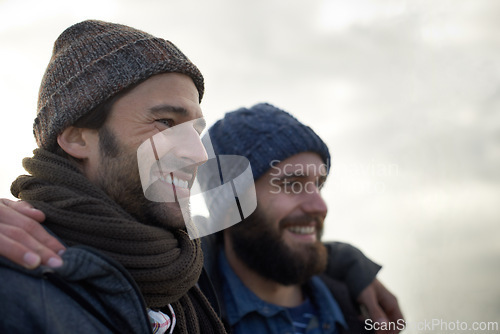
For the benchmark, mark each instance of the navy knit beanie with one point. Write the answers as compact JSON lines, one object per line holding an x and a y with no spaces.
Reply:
{"x":263,"y":134}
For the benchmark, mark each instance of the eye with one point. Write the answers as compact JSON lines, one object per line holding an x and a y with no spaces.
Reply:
{"x":168,"y":122}
{"x":321,"y":182}
{"x":289,"y":182}
{"x":320,"y":186}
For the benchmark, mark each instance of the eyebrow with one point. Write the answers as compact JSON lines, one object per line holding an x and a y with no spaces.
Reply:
{"x":288,"y":175}
{"x":168,"y":108}
{"x":299,"y":174}
{"x":199,"y":123}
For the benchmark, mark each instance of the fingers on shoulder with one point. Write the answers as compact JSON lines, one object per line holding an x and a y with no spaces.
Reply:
{"x":11,"y":209}
{"x":18,"y":253}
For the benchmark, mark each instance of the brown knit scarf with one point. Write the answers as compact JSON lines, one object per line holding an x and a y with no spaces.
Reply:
{"x":165,"y":264}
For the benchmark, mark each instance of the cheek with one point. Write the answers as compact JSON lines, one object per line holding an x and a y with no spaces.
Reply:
{"x":132,"y":135}
{"x":277,"y":206}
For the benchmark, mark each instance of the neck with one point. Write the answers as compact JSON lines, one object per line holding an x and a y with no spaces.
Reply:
{"x":264,"y":288}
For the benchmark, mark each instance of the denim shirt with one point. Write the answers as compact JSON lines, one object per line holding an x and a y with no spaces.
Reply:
{"x":248,"y":314}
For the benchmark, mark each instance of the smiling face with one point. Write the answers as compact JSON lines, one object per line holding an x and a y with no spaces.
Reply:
{"x":160,"y":103}
{"x":289,"y":193}
{"x":281,"y":239}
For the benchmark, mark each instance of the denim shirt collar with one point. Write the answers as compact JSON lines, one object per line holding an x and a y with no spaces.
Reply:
{"x":328,"y":308}
{"x":240,"y":300}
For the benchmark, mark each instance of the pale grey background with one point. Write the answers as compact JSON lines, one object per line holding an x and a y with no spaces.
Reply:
{"x":405,"y":93}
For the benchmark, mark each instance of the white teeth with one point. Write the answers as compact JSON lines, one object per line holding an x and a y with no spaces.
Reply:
{"x":302,"y":229}
{"x":180,"y":183}
{"x":177,"y":182}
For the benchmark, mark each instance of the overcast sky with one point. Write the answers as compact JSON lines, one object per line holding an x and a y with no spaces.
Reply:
{"x":405,"y":93}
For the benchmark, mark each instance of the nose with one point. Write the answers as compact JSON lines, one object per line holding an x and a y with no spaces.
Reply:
{"x":178,"y":147}
{"x":190,"y":148}
{"x":313,"y":203}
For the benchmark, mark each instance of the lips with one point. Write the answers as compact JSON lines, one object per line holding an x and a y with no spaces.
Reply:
{"x":169,"y":186}
{"x":302,"y":230}
{"x":164,"y":179}
{"x":180,"y":178}
{"x":178,"y":182}
{"x":301,"y":233}
{"x":302,"y":224}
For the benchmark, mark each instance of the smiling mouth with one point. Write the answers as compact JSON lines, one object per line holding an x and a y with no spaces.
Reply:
{"x":302,"y":230}
{"x":180,"y":183}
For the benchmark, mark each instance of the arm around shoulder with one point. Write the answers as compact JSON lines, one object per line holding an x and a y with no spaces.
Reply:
{"x":348,"y":264}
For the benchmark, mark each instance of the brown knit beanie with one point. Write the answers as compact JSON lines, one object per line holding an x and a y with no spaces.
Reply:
{"x":91,"y":62}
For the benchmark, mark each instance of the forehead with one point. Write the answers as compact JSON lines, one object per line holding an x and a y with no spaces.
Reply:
{"x":167,"y":89}
{"x":305,"y":163}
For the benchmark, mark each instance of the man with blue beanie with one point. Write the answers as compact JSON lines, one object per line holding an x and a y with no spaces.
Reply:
{"x":271,"y":271}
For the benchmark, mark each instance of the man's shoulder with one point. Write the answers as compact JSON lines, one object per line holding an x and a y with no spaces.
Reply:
{"x":80,"y":263}
{"x":339,"y":291}
{"x":21,"y":294}
{"x":88,"y":284}
{"x":349,"y":308}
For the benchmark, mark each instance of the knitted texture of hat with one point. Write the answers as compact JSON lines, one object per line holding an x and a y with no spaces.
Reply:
{"x":93,"y":61}
{"x":264,"y":134}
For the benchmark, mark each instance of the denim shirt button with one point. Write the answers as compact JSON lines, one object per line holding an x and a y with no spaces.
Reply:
{"x":326,"y":325}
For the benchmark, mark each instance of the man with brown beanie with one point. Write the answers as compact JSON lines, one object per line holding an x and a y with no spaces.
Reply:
{"x":130,"y":266}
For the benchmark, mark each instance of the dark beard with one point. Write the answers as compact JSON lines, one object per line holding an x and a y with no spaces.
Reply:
{"x":262,"y":248}
{"x":119,"y":177}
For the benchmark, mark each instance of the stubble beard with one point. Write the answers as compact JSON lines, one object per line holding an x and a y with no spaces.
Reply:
{"x":118,"y":176}
{"x":263,"y":249}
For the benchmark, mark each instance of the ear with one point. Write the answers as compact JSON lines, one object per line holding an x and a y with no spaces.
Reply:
{"x":80,"y":143}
